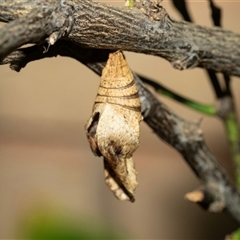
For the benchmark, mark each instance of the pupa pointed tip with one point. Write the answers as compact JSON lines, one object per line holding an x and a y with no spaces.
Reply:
{"x":116,"y":66}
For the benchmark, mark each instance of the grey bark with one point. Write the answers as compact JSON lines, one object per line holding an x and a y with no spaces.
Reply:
{"x":95,"y":25}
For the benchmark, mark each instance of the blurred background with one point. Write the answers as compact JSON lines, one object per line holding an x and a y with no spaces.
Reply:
{"x":51,"y":185}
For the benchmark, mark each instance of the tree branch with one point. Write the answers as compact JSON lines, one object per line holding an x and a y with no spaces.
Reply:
{"x":96,"y":25}
{"x":21,"y":57}
{"x":44,"y":23}
{"x":218,"y":192}
{"x":187,"y":138}
{"x":181,"y":6}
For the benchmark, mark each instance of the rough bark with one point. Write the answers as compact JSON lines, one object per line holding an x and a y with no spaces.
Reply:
{"x":95,"y":25}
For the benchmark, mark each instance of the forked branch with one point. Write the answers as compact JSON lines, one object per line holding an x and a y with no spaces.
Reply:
{"x":148,"y":29}
{"x":217,"y":192}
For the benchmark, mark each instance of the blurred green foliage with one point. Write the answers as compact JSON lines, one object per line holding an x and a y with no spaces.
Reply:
{"x":54,"y":225}
{"x":235,"y":235}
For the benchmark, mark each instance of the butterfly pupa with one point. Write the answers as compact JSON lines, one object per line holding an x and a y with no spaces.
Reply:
{"x":113,"y":128}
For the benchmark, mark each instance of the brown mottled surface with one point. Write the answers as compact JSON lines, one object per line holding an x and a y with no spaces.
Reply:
{"x":113,"y":128}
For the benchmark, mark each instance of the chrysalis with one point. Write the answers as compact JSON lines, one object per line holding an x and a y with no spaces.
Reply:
{"x":113,"y":129}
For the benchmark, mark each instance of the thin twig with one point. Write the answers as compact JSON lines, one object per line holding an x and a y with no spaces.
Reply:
{"x":197,"y":106}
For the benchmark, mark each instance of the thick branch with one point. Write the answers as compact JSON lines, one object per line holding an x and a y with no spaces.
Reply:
{"x":186,"y":137}
{"x":44,"y":23}
{"x":11,"y":9}
{"x":21,"y":57}
{"x":184,"y":44}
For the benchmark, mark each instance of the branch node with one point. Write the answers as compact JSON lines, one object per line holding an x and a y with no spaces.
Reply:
{"x":190,"y":61}
{"x":216,"y":207}
{"x":224,"y":106}
{"x":192,"y":132}
{"x":195,"y":196}
{"x":53,"y":38}
{"x":152,"y":9}
{"x":203,"y":197}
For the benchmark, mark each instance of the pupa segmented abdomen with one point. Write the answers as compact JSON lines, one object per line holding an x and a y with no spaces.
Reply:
{"x":113,"y":129}
{"x":117,"y":85}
